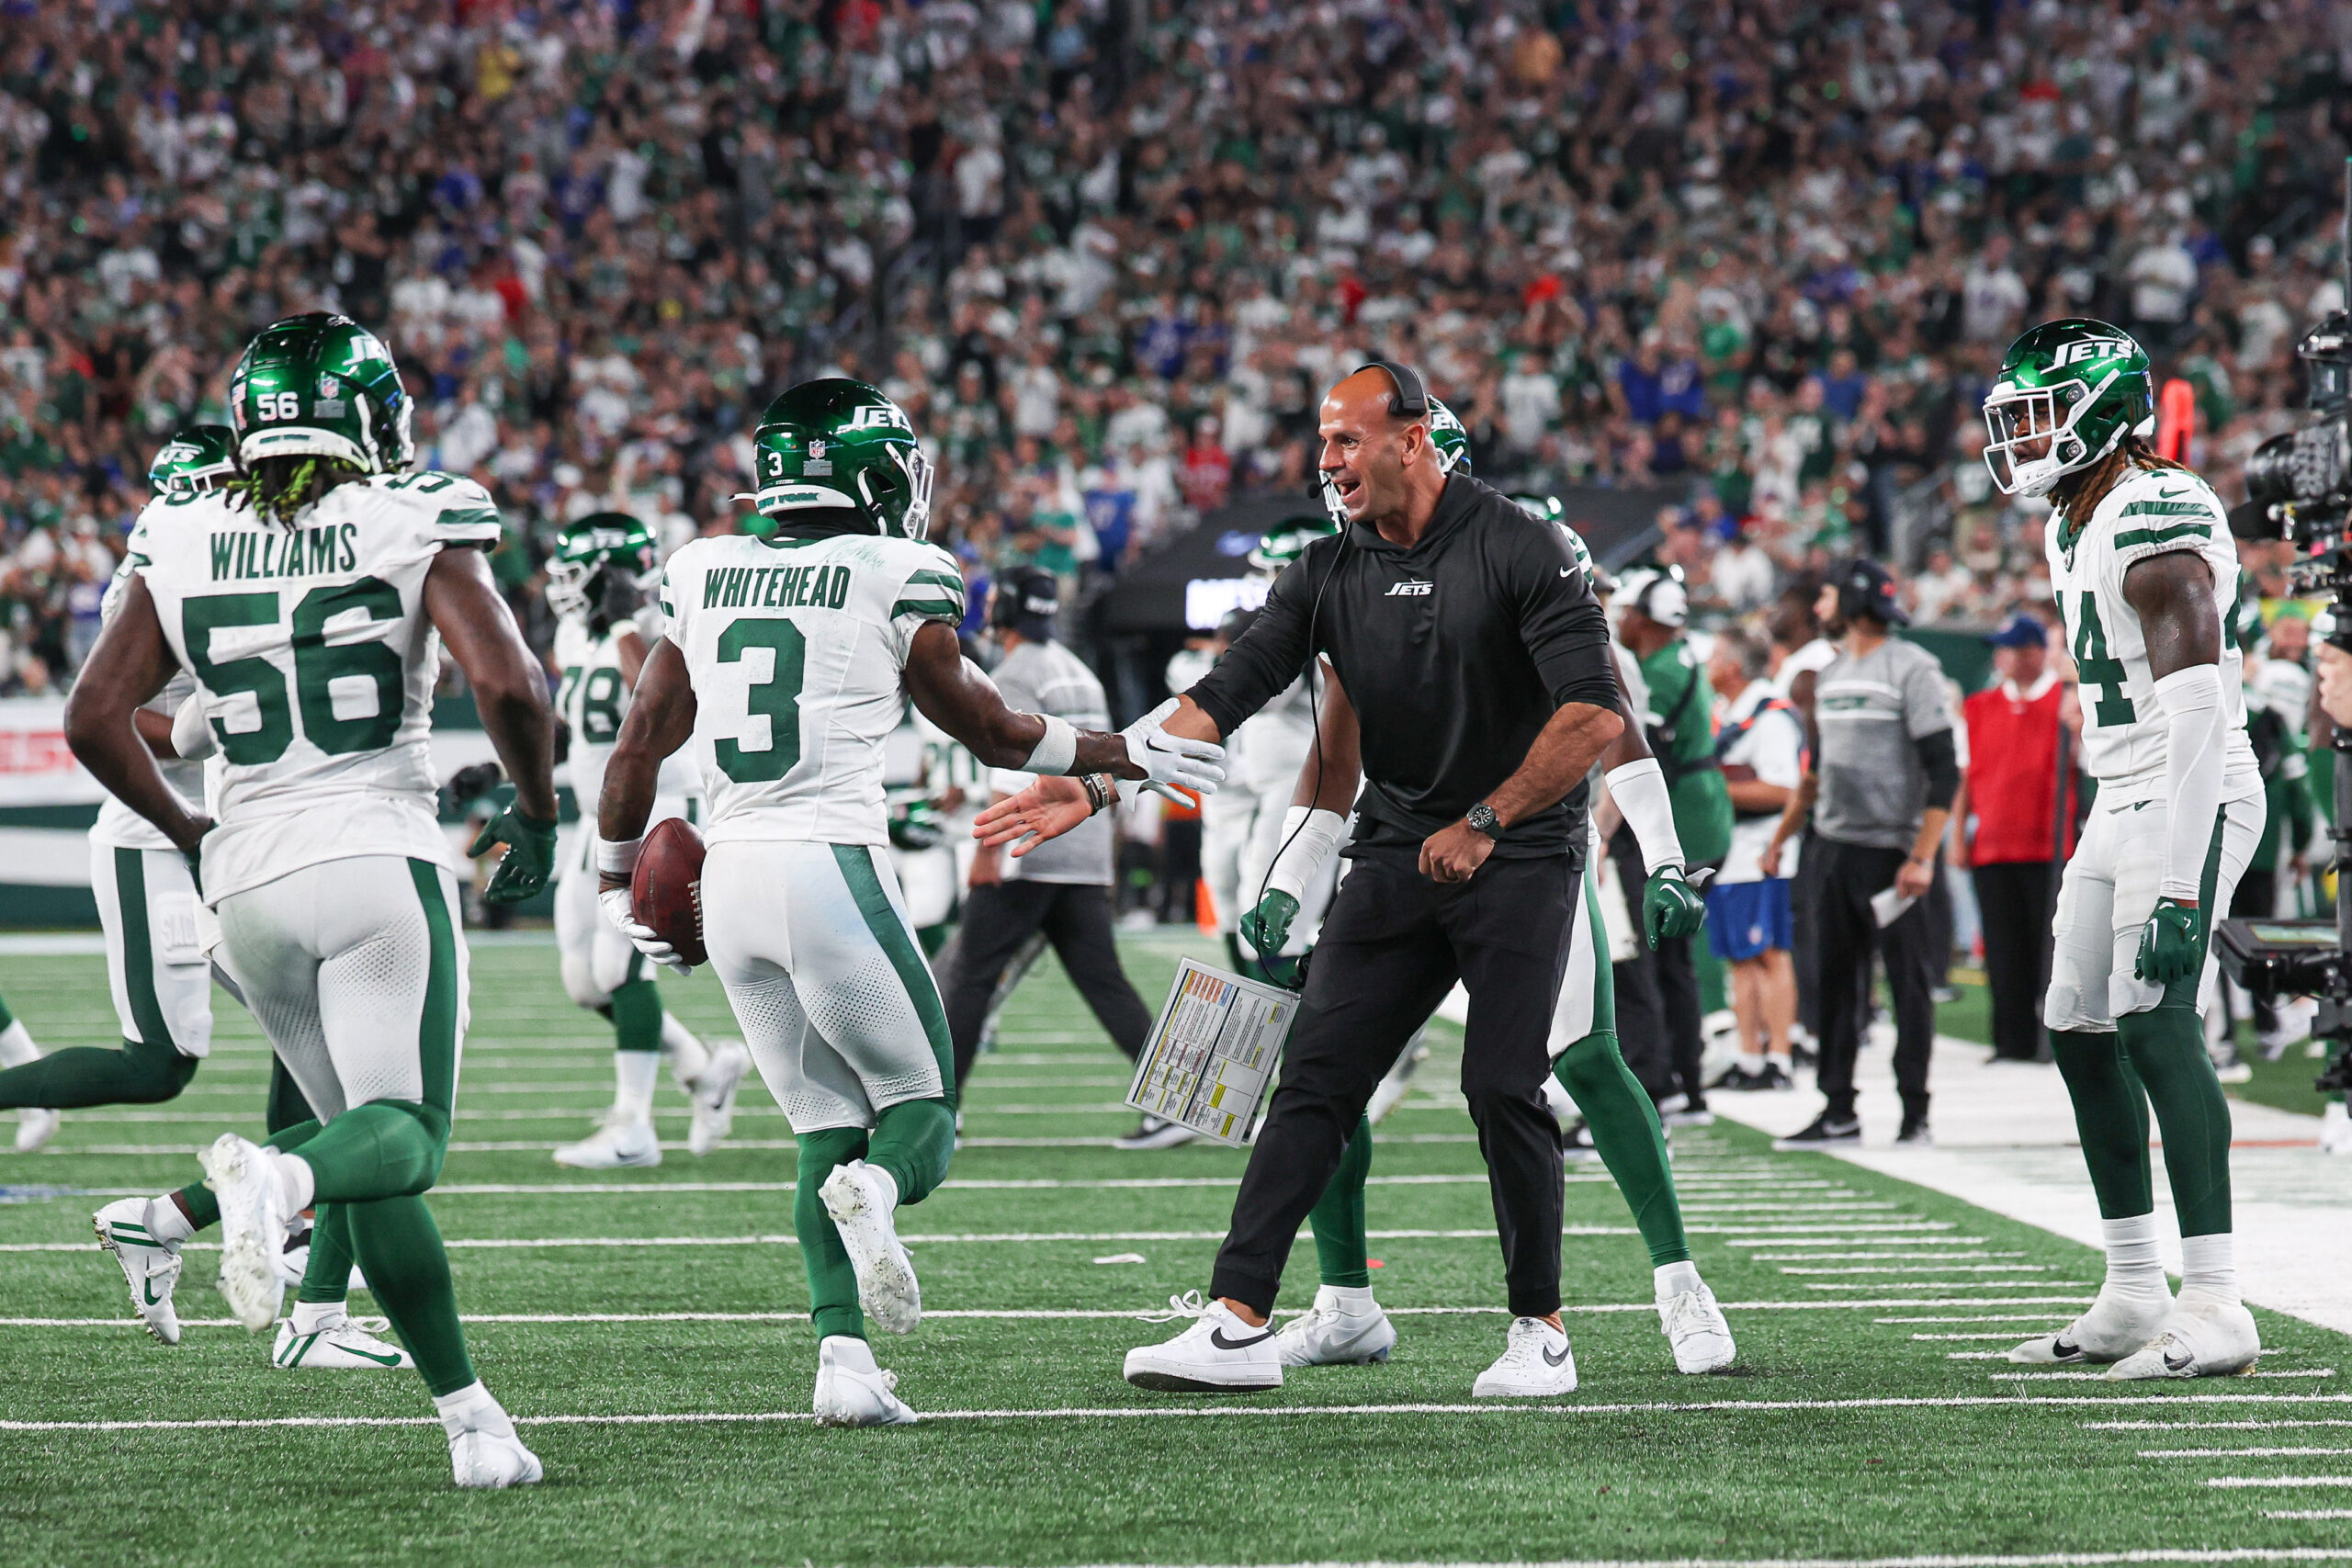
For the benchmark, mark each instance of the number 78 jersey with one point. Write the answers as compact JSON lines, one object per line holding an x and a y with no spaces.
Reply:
{"x":2148,"y":512}
{"x":796,"y":647}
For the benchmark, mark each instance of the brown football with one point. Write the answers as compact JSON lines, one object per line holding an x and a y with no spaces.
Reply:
{"x":666,"y":890}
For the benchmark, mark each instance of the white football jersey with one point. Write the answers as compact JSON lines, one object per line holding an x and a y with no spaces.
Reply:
{"x":2148,"y":512}
{"x":119,"y":826}
{"x":795,"y":646}
{"x":315,"y":661}
{"x":592,"y":700}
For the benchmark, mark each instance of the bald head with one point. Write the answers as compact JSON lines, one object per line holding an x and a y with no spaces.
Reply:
{"x":1382,"y":465}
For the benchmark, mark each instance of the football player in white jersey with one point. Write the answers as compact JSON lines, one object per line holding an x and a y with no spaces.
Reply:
{"x":311,"y":603}
{"x":2146,"y":575}
{"x":786,"y":656}
{"x":605,"y":621}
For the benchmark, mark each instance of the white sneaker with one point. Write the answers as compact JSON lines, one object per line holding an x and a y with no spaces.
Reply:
{"x":851,"y":1391}
{"x":252,"y":1227}
{"x":35,"y":1128}
{"x":1536,"y":1364}
{"x":1390,"y":1089}
{"x":1218,"y":1354}
{"x":2336,"y":1128}
{"x":2200,"y":1340}
{"x":491,"y":1461}
{"x":714,"y":1097}
{"x":151,"y":1268}
{"x":1694,"y":1325}
{"x":854,"y":1196}
{"x":2115,"y":1327}
{"x":614,"y":1146}
{"x":1332,"y":1336}
{"x":342,"y":1344}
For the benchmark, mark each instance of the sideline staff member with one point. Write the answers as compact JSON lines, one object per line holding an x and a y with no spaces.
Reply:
{"x":1476,"y":661}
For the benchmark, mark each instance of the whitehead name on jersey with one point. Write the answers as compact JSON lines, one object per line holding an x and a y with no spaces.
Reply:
{"x":794,"y":647}
{"x":315,"y":662}
{"x":592,"y":699}
{"x":2147,"y":513}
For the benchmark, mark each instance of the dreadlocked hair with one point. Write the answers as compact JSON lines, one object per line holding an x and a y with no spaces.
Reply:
{"x":278,"y":489}
{"x":2079,"y":495}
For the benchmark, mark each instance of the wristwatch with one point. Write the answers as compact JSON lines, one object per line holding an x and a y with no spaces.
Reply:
{"x":1482,"y":818}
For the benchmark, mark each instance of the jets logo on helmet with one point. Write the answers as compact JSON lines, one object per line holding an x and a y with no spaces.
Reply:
{"x":2067,"y":394}
{"x":1287,"y":540}
{"x":601,"y":542}
{"x":197,"y":459}
{"x":322,"y":385}
{"x":836,"y":443}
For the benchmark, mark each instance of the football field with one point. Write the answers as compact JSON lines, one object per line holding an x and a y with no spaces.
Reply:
{"x":648,"y":1330}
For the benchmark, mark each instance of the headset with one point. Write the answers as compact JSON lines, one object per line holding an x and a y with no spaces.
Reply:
{"x":1411,"y":398}
{"x":1023,"y":593}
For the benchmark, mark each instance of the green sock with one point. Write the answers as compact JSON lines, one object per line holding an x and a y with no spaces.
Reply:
{"x":832,"y":1283}
{"x":2167,"y":1049}
{"x":636,"y":1016}
{"x":386,"y":1148}
{"x":913,"y":1141}
{"x":197,"y":1200}
{"x":407,"y":1270}
{"x":328,"y":1277}
{"x":1338,"y":1216}
{"x":2110,"y":1118}
{"x":7,"y":1018}
{"x":1625,"y":1132}
{"x":133,"y":1074}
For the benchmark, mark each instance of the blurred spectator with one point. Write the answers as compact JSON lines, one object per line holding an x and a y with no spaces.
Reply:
{"x":1761,"y":746}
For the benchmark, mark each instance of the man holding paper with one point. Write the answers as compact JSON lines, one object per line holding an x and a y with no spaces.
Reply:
{"x":1464,"y":638}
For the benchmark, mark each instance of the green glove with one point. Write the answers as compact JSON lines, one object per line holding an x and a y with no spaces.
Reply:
{"x":1266,"y":928}
{"x":530,"y":855}
{"x":2172,"y":944}
{"x":1671,"y":906}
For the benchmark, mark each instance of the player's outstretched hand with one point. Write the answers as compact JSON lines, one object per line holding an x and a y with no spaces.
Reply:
{"x":1170,"y":762}
{"x":1046,"y":809}
{"x":1672,"y":908}
{"x":2171,"y":944}
{"x":530,"y":855}
{"x":614,"y":902}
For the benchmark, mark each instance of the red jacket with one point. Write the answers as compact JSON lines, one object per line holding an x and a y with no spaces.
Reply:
{"x":2013,"y":773}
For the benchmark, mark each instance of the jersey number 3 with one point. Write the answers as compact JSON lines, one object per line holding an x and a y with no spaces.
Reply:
{"x":2101,"y":670}
{"x":316,"y":665}
{"x":777,"y":698}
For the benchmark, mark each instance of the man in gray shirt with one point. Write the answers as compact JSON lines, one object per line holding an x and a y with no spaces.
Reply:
{"x":1879,"y":789}
{"x":1061,"y":888}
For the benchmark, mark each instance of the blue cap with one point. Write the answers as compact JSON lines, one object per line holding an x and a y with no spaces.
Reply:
{"x":2023,"y":631}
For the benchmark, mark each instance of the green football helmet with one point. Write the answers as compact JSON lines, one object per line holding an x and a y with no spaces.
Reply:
{"x":322,"y":385}
{"x":602,"y":541}
{"x":2067,"y":394}
{"x":1451,"y":441}
{"x":1287,"y":540}
{"x":839,"y":443}
{"x":197,"y":459}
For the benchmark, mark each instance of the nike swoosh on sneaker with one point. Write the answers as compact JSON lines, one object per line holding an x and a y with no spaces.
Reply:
{"x":148,"y":1286}
{"x":2062,"y":1351}
{"x":1218,"y":1338}
{"x":392,"y":1361}
{"x":2178,"y":1361}
{"x":1552,"y":1360}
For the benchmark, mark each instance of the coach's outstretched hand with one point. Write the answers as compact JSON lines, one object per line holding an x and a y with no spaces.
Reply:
{"x":1671,"y":906}
{"x":530,"y":855}
{"x":1170,"y":762}
{"x":2171,"y":943}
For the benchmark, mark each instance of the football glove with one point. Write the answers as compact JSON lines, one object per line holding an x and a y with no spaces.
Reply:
{"x":2172,"y":944}
{"x":1266,"y":928}
{"x":1671,"y":906}
{"x":614,"y":902}
{"x":530,"y":855}
{"x":1170,"y":762}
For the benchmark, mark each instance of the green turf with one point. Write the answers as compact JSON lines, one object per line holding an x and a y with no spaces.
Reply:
{"x":1778,"y":1467}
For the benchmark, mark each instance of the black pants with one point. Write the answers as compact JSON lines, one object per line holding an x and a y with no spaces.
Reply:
{"x":1076,"y":919}
{"x":1392,"y":946}
{"x":1850,"y":875}
{"x":2014,"y":899}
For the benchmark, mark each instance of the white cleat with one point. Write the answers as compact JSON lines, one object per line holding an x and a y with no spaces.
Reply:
{"x":851,"y":1391}
{"x":2200,"y":1340}
{"x":1536,"y":1364}
{"x":714,"y":1096}
{"x":252,"y":1227}
{"x":151,"y":1267}
{"x":2113,"y":1329}
{"x":1218,"y":1354}
{"x":2335,"y":1130}
{"x":491,"y":1461}
{"x":617,"y":1146}
{"x":1332,"y":1336}
{"x":1694,"y":1325}
{"x":1390,"y":1089}
{"x":340,"y":1345}
{"x":35,"y":1128}
{"x":862,"y":1210}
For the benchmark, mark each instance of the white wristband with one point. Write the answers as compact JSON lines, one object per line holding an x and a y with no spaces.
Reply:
{"x":1056,"y":750}
{"x":1639,"y":789}
{"x":619,"y":859}
{"x":1309,"y":835}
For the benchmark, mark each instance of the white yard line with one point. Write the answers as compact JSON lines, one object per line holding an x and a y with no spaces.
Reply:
{"x":2236,"y":1454}
{"x":2088,"y":1377}
{"x":2307,"y":1512}
{"x":2204,"y":1425}
{"x":2290,"y":1481}
{"x":1957,"y":1267}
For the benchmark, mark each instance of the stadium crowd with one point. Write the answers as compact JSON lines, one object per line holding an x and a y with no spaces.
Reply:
{"x":1108,"y":252}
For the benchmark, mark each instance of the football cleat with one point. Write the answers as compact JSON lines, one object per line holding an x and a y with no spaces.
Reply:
{"x":2200,"y":1340}
{"x":491,"y":1461}
{"x":151,"y":1268}
{"x":887,"y":1287}
{"x":1152,"y":1133}
{"x":851,"y":1391}
{"x":614,"y":1146}
{"x":1218,"y":1354}
{"x":1390,"y":1090}
{"x":1536,"y":1363}
{"x":294,"y":1261}
{"x":2113,"y":1328}
{"x":1694,"y":1325}
{"x":1824,"y":1130}
{"x":714,"y":1097}
{"x":1331,"y":1335}
{"x":252,"y":1227}
{"x":2336,"y":1128}
{"x":35,"y":1128}
{"x":343,"y":1343}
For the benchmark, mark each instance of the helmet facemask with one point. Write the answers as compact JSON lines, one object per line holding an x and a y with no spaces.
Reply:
{"x":2027,"y":416}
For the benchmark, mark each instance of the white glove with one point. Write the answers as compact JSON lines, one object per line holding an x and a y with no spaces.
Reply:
{"x":192,"y":736}
{"x":613,"y":901}
{"x":1169,"y":762}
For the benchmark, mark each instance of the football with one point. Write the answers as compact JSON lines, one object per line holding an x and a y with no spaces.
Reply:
{"x":666,"y":890}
